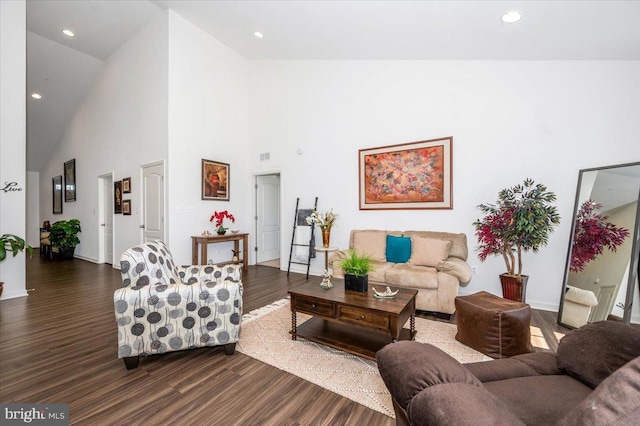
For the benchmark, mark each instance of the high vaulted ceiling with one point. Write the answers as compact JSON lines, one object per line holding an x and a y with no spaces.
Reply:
{"x":62,"y":68}
{"x":428,"y":30}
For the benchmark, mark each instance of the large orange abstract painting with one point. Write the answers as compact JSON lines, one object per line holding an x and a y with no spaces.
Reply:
{"x":407,"y":176}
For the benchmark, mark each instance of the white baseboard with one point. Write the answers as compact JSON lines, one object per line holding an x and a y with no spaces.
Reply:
{"x":88,"y":259}
{"x":7,"y":295}
{"x":302,"y":269}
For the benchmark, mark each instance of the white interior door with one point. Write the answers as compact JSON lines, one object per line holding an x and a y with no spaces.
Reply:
{"x":153,"y":203}
{"x":605,"y":298}
{"x":268,"y":218}
{"x":107,"y":219}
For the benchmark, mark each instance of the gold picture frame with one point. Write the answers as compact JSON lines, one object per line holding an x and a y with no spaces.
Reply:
{"x":215,"y":180}
{"x":416,"y":175}
{"x":126,"y":185}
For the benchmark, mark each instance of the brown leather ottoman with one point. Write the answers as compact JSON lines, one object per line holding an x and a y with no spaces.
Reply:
{"x":492,"y":325}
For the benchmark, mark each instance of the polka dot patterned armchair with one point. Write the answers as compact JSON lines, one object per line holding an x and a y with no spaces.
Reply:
{"x":164,"y":307}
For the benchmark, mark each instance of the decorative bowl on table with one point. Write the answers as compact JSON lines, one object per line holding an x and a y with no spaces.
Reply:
{"x":388,"y":294}
{"x":234,"y":231}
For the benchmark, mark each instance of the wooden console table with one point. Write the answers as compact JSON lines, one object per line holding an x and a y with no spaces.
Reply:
{"x":205,"y":240}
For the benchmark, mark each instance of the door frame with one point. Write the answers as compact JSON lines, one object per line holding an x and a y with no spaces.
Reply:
{"x":101,"y":216}
{"x":141,"y":199}
{"x":253,"y":257}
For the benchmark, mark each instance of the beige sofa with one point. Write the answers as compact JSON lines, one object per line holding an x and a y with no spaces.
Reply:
{"x":436,"y":268}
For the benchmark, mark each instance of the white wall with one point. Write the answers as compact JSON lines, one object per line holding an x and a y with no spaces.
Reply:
{"x":121,"y":124}
{"x":509,"y":121}
{"x":13,"y":124}
{"x":208,"y":116}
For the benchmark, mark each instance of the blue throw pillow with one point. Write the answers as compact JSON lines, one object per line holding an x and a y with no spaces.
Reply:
{"x":398,"y":249}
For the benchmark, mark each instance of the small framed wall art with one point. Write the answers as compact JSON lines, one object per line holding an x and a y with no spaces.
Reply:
{"x":70,"y":180}
{"x":57,"y":194}
{"x":215,"y":180}
{"x":117,"y":197}
{"x":126,"y":207}
{"x":416,"y":175}
{"x":126,"y":185}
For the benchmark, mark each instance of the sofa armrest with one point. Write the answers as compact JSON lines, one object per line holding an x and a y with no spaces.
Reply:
{"x":458,"y":404}
{"x":581,"y":296}
{"x":336,"y":256}
{"x":408,"y":367}
{"x":191,"y":274}
{"x":456,"y":267}
{"x":160,"y":318}
{"x":335,"y":262}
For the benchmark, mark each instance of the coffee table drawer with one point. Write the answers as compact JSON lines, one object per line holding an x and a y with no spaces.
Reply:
{"x":314,"y":307}
{"x":363,"y":317}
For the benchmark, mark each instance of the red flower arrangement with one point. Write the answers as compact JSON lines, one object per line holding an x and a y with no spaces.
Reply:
{"x":592,"y":234}
{"x":219,"y":218}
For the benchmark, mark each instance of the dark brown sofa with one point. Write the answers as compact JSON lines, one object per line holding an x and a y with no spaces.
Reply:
{"x":594,"y":379}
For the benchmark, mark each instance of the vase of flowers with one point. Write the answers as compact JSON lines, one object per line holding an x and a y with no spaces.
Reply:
{"x":593,"y":233}
{"x":325,"y":222}
{"x":218,"y":218}
{"x":520,"y":221}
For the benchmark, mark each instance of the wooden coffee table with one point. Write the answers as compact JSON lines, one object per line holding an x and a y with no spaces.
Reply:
{"x":352,"y":321}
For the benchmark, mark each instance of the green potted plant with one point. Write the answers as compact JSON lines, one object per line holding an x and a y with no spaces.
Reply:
{"x":10,"y":243}
{"x":520,"y":221}
{"x":64,"y":237}
{"x":356,"y":267}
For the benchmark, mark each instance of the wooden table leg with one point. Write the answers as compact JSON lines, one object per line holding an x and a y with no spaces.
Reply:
{"x":245,"y":252}
{"x":194,"y":251}
{"x":412,"y":325}
{"x":203,"y":254}
{"x":293,"y":326}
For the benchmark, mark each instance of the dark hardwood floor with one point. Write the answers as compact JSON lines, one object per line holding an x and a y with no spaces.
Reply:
{"x":59,"y":346}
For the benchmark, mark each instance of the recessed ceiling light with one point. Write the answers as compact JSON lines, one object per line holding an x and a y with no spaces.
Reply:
{"x":68,"y":33}
{"x":36,"y":96}
{"x":511,"y":17}
{"x":258,"y":34}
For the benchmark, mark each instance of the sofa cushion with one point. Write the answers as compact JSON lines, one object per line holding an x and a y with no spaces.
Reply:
{"x":378,"y":274}
{"x":428,"y":251}
{"x":613,"y":402}
{"x":459,"y":247}
{"x":371,"y":241}
{"x":593,"y":352}
{"x":539,"y":400}
{"x":412,"y":276}
{"x":454,"y":404}
{"x":398,"y":249}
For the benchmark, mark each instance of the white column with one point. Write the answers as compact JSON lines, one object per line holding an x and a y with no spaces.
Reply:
{"x":13,"y":124}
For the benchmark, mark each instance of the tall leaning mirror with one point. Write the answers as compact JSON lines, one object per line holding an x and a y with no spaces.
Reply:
{"x":601,"y":272}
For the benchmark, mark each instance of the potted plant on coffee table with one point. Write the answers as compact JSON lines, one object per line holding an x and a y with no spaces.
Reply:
{"x":520,"y":221}
{"x":10,"y":243}
{"x":356,"y":267}
{"x":64,"y":237}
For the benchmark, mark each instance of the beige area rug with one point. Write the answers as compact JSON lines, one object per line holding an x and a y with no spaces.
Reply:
{"x":265,"y":337}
